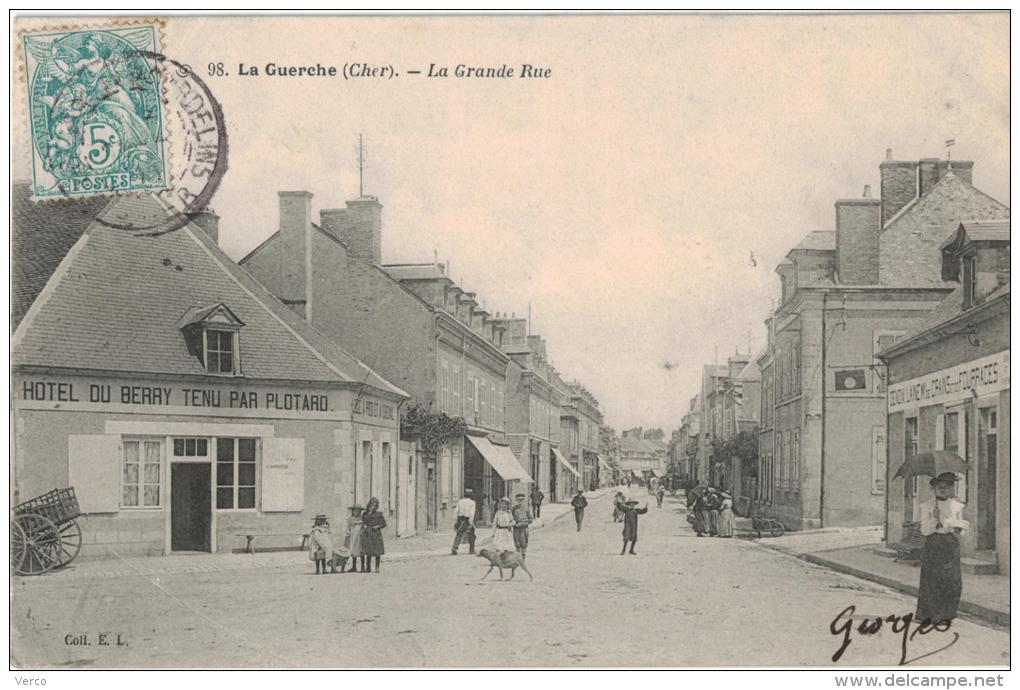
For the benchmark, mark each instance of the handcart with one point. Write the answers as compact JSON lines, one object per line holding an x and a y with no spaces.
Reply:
{"x":45,"y":533}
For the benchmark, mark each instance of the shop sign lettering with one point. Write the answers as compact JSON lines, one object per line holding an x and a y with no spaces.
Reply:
{"x":979,"y":377}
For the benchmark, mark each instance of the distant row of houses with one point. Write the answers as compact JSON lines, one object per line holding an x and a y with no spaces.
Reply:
{"x":890,"y":338}
{"x":192,"y":400}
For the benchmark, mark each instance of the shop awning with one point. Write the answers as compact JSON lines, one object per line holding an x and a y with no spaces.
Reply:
{"x":655,"y":473}
{"x":637,"y":475}
{"x":648,"y":474}
{"x":566,"y":463}
{"x":604,"y":464}
{"x":501,"y":458}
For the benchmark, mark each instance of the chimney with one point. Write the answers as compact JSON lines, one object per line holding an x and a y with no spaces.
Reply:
{"x":208,"y":221}
{"x":899,"y":185}
{"x":962,"y":169}
{"x":516,"y":332}
{"x":858,"y":224}
{"x":537,"y":345}
{"x":928,"y":175}
{"x":296,"y":257}
{"x":359,"y":226}
{"x":736,"y":364}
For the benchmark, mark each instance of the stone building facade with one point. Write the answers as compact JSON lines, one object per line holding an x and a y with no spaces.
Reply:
{"x":848,"y":294}
{"x":414,"y":324}
{"x":185,"y":405}
{"x":949,"y":386}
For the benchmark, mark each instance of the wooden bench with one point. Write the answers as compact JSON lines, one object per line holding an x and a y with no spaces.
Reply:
{"x":252,"y":536}
{"x":909,"y":547}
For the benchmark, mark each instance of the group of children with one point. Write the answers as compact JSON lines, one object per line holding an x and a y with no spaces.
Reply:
{"x":363,"y":540}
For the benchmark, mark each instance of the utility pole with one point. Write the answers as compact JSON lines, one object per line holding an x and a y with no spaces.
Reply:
{"x":361,"y":165}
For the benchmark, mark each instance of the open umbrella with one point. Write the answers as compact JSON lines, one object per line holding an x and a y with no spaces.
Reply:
{"x":699,"y":491}
{"x":932,"y":463}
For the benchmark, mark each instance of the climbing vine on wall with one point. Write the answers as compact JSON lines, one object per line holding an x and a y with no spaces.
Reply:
{"x":432,"y":428}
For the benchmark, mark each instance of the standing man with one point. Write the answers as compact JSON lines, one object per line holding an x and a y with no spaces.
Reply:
{"x":465,"y":525}
{"x":660,"y":494}
{"x":522,"y":518}
{"x":536,"y":501}
{"x":579,"y":503}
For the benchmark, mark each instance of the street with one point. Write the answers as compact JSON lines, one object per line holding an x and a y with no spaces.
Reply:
{"x":681,"y":601}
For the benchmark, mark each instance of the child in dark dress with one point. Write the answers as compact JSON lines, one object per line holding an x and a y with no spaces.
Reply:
{"x":372,"y":539}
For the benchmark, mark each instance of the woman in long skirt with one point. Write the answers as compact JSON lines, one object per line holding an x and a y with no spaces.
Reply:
{"x":502,"y":527}
{"x":726,"y":516}
{"x":938,"y":595}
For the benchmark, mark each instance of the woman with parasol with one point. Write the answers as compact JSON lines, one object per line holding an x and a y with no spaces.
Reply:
{"x":938,"y":595}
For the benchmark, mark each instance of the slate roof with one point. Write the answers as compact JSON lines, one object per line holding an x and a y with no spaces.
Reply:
{"x":117,"y":303}
{"x":635,"y":446}
{"x":909,"y":246}
{"x":818,"y":240}
{"x":984,"y":231}
{"x":751,"y":372}
{"x":415,"y":271}
{"x":947,"y":310}
{"x":55,"y":226}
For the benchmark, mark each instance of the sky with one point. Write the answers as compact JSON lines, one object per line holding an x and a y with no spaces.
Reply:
{"x":623,"y":197}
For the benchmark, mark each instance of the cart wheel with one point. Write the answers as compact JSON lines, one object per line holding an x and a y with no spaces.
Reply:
{"x":42,"y":544}
{"x":18,"y":540}
{"x":777,"y":530}
{"x":70,"y":542}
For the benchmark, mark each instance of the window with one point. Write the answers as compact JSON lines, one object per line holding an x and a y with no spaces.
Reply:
{"x":444,"y":387}
{"x":951,"y":433}
{"x":969,"y":280}
{"x":477,"y":403}
{"x":795,"y":461}
{"x":796,"y":367}
{"x":191,"y":447}
{"x":456,"y":392}
{"x":219,"y":352}
{"x":909,"y":451}
{"x":235,"y":473}
{"x":141,"y":471}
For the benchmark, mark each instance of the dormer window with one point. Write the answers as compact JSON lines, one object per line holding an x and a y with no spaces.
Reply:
{"x":219,"y":351}
{"x":968,"y":265}
{"x":213,"y":335}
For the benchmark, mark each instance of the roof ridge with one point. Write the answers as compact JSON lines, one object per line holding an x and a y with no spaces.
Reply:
{"x":266,"y":297}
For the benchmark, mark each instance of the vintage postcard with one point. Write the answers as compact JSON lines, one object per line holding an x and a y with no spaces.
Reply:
{"x":599,"y":341}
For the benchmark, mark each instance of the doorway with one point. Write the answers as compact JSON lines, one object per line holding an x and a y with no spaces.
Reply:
{"x":988,"y":435}
{"x":552,"y":478}
{"x":431,"y":497}
{"x":190,"y":506}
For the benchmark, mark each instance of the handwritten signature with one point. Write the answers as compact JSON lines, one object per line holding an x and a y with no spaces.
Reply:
{"x":843,"y":624}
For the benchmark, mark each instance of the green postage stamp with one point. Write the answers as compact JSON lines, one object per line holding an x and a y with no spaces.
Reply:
{"x":95,"y":111}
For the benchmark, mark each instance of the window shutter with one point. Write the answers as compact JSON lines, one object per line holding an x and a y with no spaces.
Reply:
{"x":283,"y":475}
{"x":93,"y":469}
{"x":940,"y":432}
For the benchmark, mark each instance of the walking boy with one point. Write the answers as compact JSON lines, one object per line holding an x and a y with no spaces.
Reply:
{"x":630,"y":519}
{"x":579,"y":503}
{"x":522,"y":518}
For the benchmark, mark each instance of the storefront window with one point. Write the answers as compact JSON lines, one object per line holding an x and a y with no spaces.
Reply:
{"x":140,"y":478}
{"x":235,"y":473}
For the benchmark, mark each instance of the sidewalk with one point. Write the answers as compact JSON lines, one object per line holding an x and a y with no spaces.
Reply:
{"x":424,"y":545}
{"x":851,"y":551}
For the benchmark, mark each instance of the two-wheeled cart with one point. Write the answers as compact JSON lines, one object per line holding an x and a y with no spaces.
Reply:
{"x":45,"y":533}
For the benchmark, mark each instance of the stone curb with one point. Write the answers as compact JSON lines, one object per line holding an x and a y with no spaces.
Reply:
{"x":988,"y":614}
